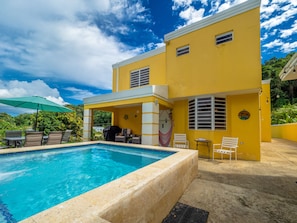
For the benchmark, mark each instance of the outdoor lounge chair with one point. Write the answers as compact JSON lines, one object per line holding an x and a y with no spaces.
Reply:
{"x":123,"y":136}
{"x":180,"y":141}
{"x":228,"y":146}
{"x":66,"y":136}
{"x":33,"y":138}
{"x":54,"y":137}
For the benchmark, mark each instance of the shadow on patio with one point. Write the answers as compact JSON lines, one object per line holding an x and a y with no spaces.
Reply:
{"x":247,"y":191}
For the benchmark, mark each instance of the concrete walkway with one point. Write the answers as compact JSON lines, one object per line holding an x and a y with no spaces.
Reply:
{"x":248,"y":191}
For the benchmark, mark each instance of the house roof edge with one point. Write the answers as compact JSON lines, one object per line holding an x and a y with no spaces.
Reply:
{"x":220,"y":16}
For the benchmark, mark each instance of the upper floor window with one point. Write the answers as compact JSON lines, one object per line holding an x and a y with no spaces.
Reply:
{"x":139,"y":77}
{"x":182,"y":50}
{"x":207,"y":113}
{"x":223,"y":38}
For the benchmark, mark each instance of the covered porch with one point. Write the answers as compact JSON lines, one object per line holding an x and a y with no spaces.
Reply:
{"x":136,"y":109}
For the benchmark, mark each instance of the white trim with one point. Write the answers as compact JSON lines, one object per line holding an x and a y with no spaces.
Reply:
{"x":267,"y":81}
{"x":117,"y":82}
{"x":289,"y":72}
{"x":160,"y":91}
{"x":228,"y":13}
{"x":140,"y":57}
{"x":213,"y":121}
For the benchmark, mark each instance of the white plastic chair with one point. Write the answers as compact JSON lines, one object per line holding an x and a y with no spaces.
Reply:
{"x":180,"y":141}
{"x":228,"y":146}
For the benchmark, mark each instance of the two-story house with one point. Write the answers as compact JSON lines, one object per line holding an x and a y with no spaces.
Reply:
{"x":205,"y":82}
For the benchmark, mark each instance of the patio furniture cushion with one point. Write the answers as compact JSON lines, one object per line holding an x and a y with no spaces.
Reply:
{"x":54,"y":137}
{"x":123,"y":136}
{"x":33,"y":138}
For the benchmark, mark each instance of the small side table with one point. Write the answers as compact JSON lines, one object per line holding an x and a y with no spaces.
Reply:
{"x":205,"y":141}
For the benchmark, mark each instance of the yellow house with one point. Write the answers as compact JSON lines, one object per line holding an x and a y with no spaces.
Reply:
{"x":205,"y":82}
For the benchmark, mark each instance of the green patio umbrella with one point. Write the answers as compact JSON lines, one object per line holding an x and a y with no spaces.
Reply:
{"x":35,"y":102}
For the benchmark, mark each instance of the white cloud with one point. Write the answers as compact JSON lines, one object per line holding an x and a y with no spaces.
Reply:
{"x":192,"y":15}
{"x":268,"y":9}
{"x":204,"y":2}
{"x":274,"y":43}
{"x":229,"y":4}
{"x":15,"y":88}
{"x":288,"y":32}
{"x":79,"y":94}
{"x":281,"y":46}
{"x":181,"y":4}
{"x":264,"y":36}
{"x":214,"y":5}
{"x":289,"y":47}
{"x":285,"y":13}
{"x":59,"y":40}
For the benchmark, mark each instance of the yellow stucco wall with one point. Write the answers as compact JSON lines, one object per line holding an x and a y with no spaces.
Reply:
{"x":157,"y":67}
{"x":130,"y":117}
{"x":211,"y":68}
{"x":265,"y":112}
{"x":248,"y":131}
{"x":285,"y":131}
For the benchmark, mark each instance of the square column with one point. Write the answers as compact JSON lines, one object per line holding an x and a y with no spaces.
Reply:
{"x":87,"y":131}
{"x":150,"y":123}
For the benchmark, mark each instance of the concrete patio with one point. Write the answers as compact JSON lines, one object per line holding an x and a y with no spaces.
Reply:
{"x":248,"y":191}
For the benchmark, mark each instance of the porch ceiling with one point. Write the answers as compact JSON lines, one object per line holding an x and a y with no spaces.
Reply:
{"x":129,"y":97}
{"x":289,"y":72}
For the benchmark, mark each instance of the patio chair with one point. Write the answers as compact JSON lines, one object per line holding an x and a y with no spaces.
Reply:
{"x":180,"y":141}
{"x":228,"y":146}
{"x":123,"y":136}
{"x":54,"y":137}
{"x":66,"y":136}
{"x":33,"y":138}
{"x":136,"y":139}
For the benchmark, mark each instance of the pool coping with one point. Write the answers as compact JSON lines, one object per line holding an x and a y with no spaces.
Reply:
{"x":145,"y":195}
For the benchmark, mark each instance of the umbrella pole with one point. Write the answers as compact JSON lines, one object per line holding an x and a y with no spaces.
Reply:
{"x":36,"y":119}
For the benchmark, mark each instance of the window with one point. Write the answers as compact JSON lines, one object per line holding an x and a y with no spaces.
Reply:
{"x":203,"y":117}
{"x":226,"y":37}
{"x":207,"y":113}
{"x":139,"y":77}
{"x":220,"y":113}
{"x":182,"y":50}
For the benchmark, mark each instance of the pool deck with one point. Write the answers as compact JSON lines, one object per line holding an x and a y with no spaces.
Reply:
{"x":248,"y":191}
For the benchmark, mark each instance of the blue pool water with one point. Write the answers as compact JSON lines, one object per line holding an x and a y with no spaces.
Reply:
{"x":34,"y":181}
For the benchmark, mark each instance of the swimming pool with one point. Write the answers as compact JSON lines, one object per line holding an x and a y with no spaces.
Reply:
{"x":144,"y":195}
{"x":34,"y":181}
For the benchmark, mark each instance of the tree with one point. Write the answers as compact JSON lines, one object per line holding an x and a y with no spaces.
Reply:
{"x":47,"y":121}
{"x":102,"y":118}
{"x":286,"y":114}
{"x":55,"y":121}
{"x":24,"y":120}
{"x":282,"y":92}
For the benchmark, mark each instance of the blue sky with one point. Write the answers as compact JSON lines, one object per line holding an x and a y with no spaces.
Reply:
{"x":64,"y":50}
